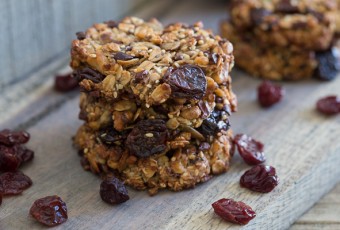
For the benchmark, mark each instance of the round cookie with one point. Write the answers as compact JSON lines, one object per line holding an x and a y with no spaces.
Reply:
{"x":306,"y":24}
{"x":184,"y":162}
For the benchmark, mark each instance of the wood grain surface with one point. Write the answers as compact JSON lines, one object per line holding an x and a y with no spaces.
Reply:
{"x":302,"y":144}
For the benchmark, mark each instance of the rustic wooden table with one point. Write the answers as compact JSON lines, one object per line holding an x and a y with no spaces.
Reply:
{"x":301,"y":144}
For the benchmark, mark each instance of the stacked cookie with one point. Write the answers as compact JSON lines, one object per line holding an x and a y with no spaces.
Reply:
{"x":156,"y":102}
{"x":284,"y":39}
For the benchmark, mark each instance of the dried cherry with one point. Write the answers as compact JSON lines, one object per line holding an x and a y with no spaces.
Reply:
{"x":233,"y":211}
{"x":250,"y":150}
{"x":50,"y":211}
{"x":113,"y":191}
{"x":13,"y":183}
{"x":328,"y":64}
{"x":187,"y":81}
{"x":88,"y":73}
{"x":329,"y":105}
{"x":10,"y":138}
{"x":269,"y":94}
{"x":65,"y":83}
{"x":147,"y":138}
{"x":260,"y":178}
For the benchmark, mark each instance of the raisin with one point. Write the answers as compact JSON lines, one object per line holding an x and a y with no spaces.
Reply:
{"x":285,"y":6}
{"x":13,"y":183}
{"x":257,"y":15}
{"x":269,"y":94}
{"x":113,"y":191}
{"x":233,"y":211}
{"x":50,"y":211}
{"x":0,"y":198}
{"x":65,"y":83}
{"x":81,"y":35}
{"x":147,"y":138}
{"x":10,"y":138}
{"x":110,"y":135}
{"x":140,"y":77}
{"x":250,"y":150}
{"x":88,"y":73}
{"x":260,"y":178}
{"x":187,"y":81}
{"x":329,"y":105}
{"x":328,"y":64}
{"x":215,"y":123}
{"x":123,"y":56}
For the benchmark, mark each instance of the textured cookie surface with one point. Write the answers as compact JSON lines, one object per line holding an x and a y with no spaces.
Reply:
{"x":272,"y":63}
{"x":307,"y":24}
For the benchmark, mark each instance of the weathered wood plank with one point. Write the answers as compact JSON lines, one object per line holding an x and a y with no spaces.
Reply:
{"x":300,"y":143}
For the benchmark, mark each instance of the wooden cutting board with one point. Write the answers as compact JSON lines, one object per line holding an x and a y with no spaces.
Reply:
{"x":303,"y":145}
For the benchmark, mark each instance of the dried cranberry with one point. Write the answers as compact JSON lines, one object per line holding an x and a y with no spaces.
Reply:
{"x":9,"y":161}
{"x":328,"y":64}
{"x":50,"y":211}
{"x":113,"y":191}
{"x":285,"y":6}
{"x":123,"y":56}
{"x":13,"y":183}
{"x":88,"y":73}
{"x":257,"y":15}
{"x":65,"y":83}
{"x":269,"y":94}
{"x":81,"y":35}
{"x":250,"y":150}
{"x":187,"y":81}
{"x":24,"y":153}
{"x":147,"y":138}
{"x":260,"y":178}
{"x":233,"y":211}
{"x":10,"y":138}
{"x":329,"y":105}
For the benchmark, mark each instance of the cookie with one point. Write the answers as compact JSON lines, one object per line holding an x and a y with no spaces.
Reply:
{"x":184,"y":162}
{"x":306,"y":24}
{"x":159,"y":92}
{"x":271,"y":63}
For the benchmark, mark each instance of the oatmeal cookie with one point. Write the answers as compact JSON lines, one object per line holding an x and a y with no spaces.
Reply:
{"x":184,"y":162}
{"x":306,"y":24}
{"x":272,"y":62}
{"x":161,"y":93}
